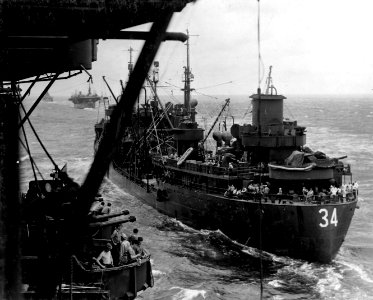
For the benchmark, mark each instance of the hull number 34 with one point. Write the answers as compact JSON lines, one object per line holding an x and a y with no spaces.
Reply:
{"x":325,"y":220}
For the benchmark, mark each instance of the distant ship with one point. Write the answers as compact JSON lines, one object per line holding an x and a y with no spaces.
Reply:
{"x":47,"y":98}
{"x":85,"y":101}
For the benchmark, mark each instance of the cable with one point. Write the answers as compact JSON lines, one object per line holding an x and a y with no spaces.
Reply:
{"x":27,"y":147}
{"x":206,"y":95}
{"x":193,"y":91}
{"x":31,"y":159}
{"x":260,"y":201}
{"x":40,"y":142}
{"x":259,"y":56}
{"x":210,"y":86}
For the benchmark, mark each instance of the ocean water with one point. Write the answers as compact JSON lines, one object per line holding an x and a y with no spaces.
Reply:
{"x":190,"y":264}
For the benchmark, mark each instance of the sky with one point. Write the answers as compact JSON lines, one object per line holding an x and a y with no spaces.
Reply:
{"x":314,"y":46}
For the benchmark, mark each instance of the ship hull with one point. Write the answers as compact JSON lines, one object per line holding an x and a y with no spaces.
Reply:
{"x":313,"y":232}
{"x":82,"y":105}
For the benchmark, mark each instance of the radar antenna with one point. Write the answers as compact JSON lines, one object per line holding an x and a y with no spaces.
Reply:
{"x":270,"y":87}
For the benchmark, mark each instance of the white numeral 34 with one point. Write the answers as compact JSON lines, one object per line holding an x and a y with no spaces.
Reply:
{"x":324,"y":217}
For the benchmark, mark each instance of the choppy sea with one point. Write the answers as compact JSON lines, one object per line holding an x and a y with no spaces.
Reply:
{"x":190,"y":264}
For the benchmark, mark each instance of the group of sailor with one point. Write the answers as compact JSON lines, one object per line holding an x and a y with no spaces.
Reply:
{"x":121,"y":250}
{"x":251,"y":188}
{"x":232,"y":191}
{"x":99,"y":207}
{"x":334,"y":192}
{"x":308,"y":194}
{"x":344,"y":189}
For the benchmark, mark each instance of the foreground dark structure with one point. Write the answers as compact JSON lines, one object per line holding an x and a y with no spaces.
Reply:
{"x":37,"y":41}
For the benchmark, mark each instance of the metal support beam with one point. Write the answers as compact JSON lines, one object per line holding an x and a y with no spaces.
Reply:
{"x":144,"y":35}
{"x":10,"y":271}
{"x":38,"y":100}
{"x":108,"y":146}
{"x":29,"y":88}
{"x":48,"y":77}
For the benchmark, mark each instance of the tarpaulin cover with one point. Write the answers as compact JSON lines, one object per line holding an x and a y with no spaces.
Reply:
{"x":295,"y":159}
{"x":325,"y":163}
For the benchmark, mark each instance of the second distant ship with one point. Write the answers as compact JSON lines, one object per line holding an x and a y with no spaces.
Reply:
{"x":84,"y":101}
{"x":47,"y":97}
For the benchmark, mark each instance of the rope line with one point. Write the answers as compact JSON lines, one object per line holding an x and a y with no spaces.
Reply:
{"x":260,"y":202}
{"x":27,"y":144}
{"x":40,"y":142}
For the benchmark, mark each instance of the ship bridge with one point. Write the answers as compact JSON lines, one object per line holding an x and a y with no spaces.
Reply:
{"x":277,"y":138}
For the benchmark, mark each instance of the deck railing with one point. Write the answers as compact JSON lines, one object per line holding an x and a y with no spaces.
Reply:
{"x":242,"y":170}
{"x":190,"y":183}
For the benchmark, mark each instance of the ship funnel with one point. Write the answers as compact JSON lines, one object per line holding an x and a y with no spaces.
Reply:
{"x":267,"y":110}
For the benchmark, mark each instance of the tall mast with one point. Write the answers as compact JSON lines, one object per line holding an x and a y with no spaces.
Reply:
{"x":259,"y":70}
{"x":188,"y":76}
{"x":130,"y":64}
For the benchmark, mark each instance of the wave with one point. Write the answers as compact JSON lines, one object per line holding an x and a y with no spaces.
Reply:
{"x":217,"y":237}
{"x":172,"y":224}
{"x":331,"y":281}
{"x":188,"y":294}
{"x":23,"y":158}
{"x":158,"y":273}
{"x":359,"y":270}
{"x":277,"y":283}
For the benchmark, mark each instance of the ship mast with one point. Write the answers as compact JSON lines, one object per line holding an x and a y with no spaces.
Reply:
{"x":188,"y":77}
{"x":130,"y":63}
{"x":261,"y":171}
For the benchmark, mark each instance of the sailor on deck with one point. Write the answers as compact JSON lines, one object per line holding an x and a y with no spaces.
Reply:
{"x":310,"y":195}
{"x":115,"y":242}
{"x":304,"y":192}
{"x":105,"y":260}
{"x":355,"y":188}
{"x":333,"y":191}
{"x":106,"y":209}
{"x":124,"y":250}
